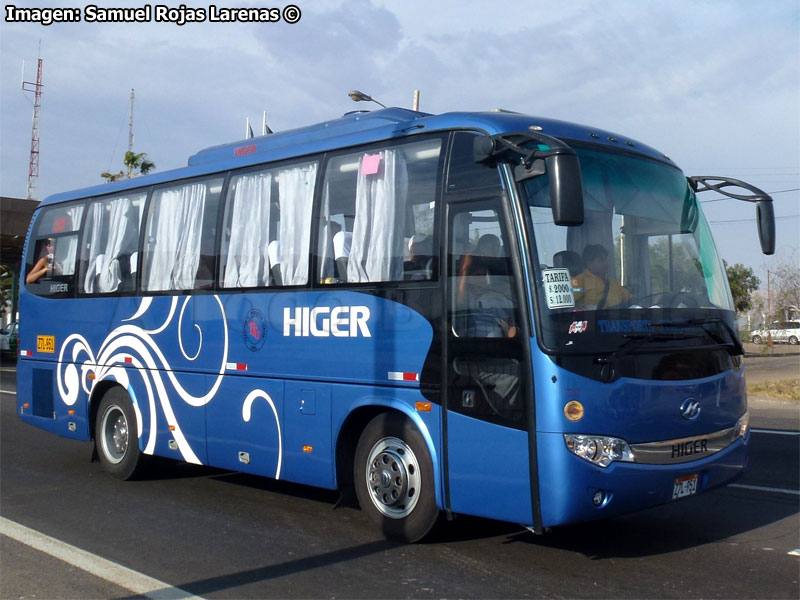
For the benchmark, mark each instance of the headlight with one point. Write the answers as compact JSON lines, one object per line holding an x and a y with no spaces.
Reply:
{"x":742,"y":425}
{"x":599,"y":450}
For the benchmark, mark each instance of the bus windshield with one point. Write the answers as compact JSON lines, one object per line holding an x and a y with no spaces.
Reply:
{"x":642,"y":262}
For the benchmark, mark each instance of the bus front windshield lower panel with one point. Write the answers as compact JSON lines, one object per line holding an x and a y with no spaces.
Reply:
{"x":642,"y":266}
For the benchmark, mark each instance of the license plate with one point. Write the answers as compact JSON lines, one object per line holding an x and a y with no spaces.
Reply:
{"x":685,"y":486}
{"x":46,"y":343}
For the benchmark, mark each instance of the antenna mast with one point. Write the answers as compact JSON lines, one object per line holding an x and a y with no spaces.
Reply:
{"x":130,"y":126}
{"x":36,"y":88}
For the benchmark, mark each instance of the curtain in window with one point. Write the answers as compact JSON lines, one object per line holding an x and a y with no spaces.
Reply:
{"x":247,"y":257}
{"x":296,"y":195}
{"x":95,"y":245}
{"x":176,"y":244}
{"x":325,"y":244}
{"x":119,"y":231}
{"x":376,"y":253}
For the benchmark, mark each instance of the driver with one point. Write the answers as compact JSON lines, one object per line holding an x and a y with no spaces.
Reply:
{"x":594,"y":289}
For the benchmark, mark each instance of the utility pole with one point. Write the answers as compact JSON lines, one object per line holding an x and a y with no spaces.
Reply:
{"x":36,"y":88}
{"x":130,"y":126}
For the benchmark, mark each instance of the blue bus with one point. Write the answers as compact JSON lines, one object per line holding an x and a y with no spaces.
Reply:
{"x":486,"y":314}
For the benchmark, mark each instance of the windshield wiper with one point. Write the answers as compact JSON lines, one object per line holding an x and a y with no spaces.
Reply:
{"x":634,"y":341}
{"x":734,"y":344}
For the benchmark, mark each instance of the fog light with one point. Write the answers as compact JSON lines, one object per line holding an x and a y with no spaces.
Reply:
{"x":598,"y":498}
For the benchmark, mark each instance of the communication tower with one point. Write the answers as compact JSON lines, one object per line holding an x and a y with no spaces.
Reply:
{"x":36,"y":88}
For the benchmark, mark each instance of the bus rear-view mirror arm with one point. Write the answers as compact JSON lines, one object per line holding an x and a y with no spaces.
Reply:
{"x":765,"y":214}
{"x":548,"y":155}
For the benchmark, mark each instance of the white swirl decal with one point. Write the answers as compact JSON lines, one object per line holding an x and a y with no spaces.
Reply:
{"x":131,"y":346}
{"x":247,"y":409}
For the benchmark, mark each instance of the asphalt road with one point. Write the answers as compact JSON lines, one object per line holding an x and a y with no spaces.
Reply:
{"x":225,"y":535}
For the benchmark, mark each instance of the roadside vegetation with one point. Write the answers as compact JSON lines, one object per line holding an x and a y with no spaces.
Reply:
{"x":784,"y":389}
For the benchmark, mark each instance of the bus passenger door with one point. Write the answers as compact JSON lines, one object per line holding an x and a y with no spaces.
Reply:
{"x":488,"y":470}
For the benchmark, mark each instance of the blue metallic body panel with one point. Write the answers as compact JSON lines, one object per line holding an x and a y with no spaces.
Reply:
{"x":489,"y":469}
{"x":192,"y":363}
{"x":567,"y":483}
{"x":636,"y":410}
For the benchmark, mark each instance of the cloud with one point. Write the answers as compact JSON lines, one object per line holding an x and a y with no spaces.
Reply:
{"x":712,"y":84}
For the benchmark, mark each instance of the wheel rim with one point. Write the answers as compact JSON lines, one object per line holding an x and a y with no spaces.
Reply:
{"x":114,"y":436}
{"x":393,"y":477}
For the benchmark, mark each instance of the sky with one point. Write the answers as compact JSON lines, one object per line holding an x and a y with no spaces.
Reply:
{"x":713,"y":84}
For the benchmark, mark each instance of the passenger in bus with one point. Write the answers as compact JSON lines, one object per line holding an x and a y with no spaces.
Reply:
{"x":44,"y":265}
{"x":488,"y":245}
{"x":594,"y":289}
{"x":490,"y":312}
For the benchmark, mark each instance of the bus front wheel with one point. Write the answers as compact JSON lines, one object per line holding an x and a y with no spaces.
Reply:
{"x":394,"y":478}
{"x":116,"y":435}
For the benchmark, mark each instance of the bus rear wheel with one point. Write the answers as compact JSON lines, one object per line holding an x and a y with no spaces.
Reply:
{"x":116,"y":435}
{"x":393,"y":473}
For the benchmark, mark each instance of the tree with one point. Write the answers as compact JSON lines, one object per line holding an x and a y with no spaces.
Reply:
{"x":786,"y":286}
{"x":135,"y":164}
{"x":743,"y":282}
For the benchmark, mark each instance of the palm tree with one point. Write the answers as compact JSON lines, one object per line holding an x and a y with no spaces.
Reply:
{"x":135,"y":164}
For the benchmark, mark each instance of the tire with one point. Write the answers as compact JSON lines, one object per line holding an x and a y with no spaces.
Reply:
{"x":116,"y":435}
{"x":793,"y":340}
{"x":393,"y":476}
{"x":756,"y":339}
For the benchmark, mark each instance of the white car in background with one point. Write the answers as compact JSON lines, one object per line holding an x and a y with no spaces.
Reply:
{"x":780,"y":331}
{"x":9,"y":338}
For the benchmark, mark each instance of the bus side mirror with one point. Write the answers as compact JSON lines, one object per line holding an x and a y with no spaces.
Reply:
{"x":765,"y":215}
{"x":566,"y":189}
{"x":549,"y":155}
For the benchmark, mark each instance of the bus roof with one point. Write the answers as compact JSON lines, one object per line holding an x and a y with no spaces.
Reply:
{"x":355,"y":128}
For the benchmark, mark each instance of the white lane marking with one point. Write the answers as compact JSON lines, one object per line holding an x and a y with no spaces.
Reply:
{"x":794,"y":552}
{"x":129,"y":579}
{"x":775,"y":431}
{"x":764,"y":489}
{"x":9,"y":393}
{"x":4,"y":370}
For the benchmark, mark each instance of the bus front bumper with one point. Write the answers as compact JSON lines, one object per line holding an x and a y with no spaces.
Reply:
{"x":572,"y":489}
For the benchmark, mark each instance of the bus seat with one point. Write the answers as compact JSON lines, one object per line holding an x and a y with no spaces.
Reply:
{"x":273,"y":253}
{"x":275,"y":270}
{"x":342,"y":242}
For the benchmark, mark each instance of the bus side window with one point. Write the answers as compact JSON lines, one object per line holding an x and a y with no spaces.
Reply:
{"x":110,"y":241}
{"x":52,"y":251}
{"x":484,"y":303}
{"x":180,"y":232}
{"x":267,"y":227}
{"x":377,"y":217}
{"x":463,"y":172}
